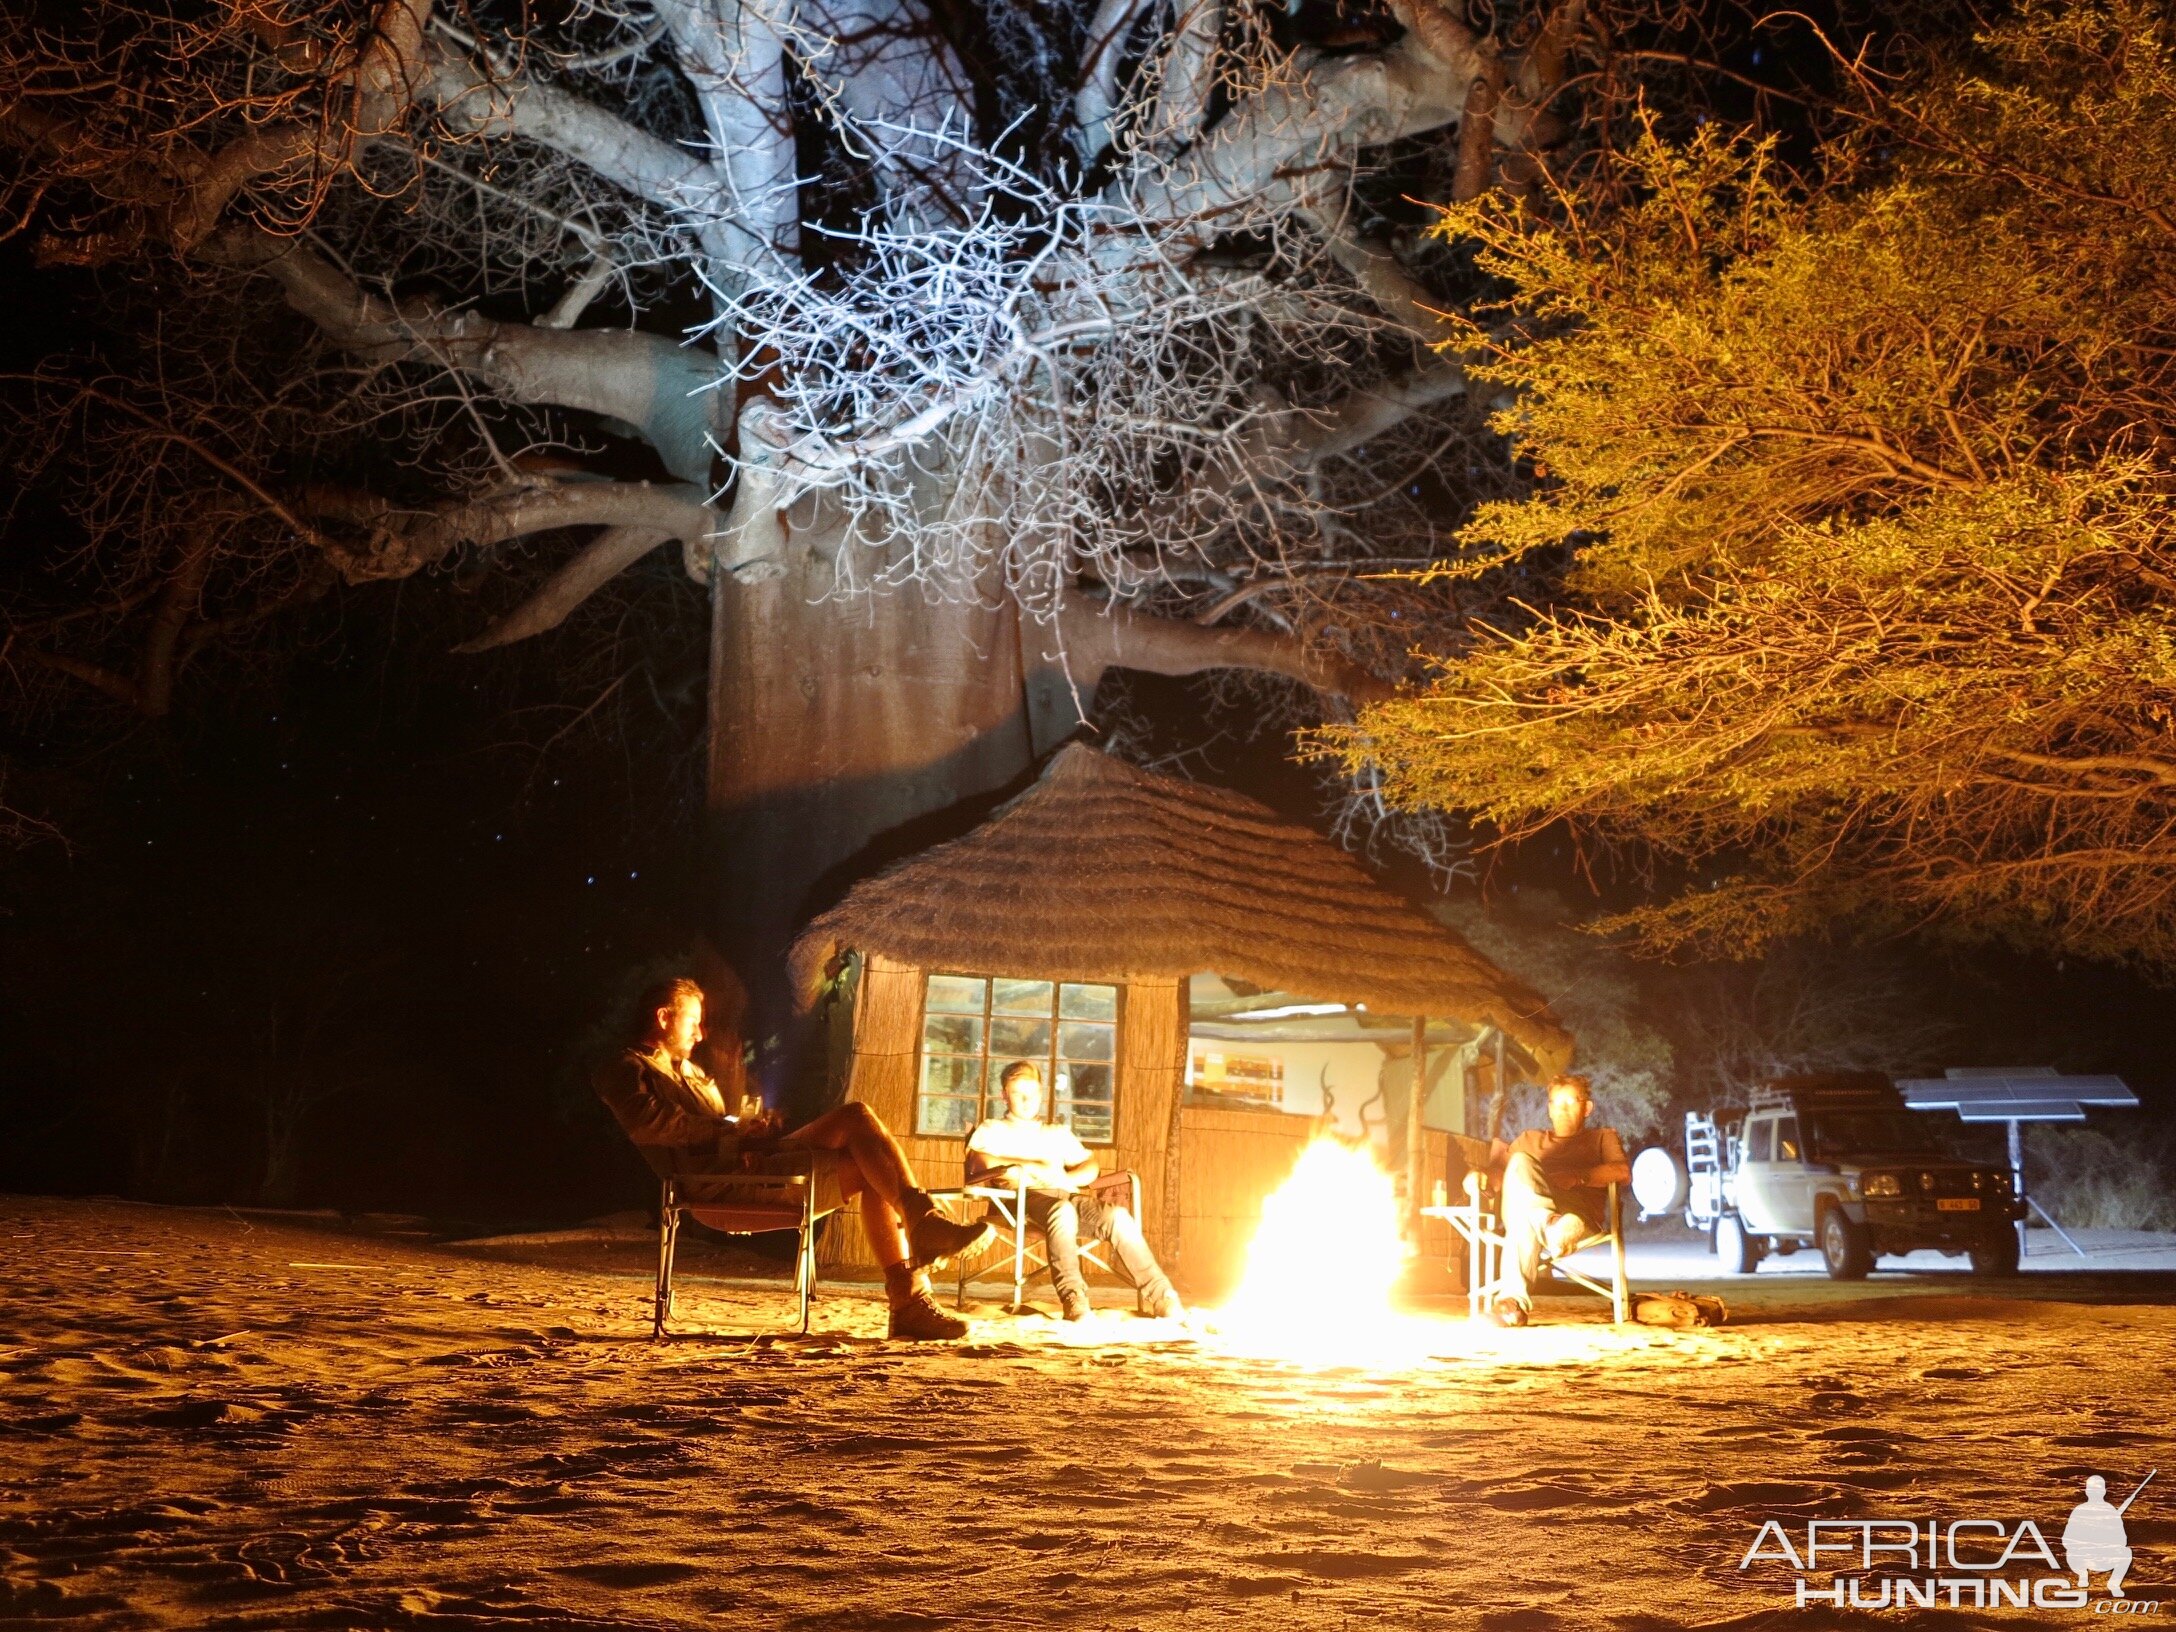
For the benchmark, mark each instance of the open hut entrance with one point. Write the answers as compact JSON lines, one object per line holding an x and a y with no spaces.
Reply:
{"x":1266,"y":1070}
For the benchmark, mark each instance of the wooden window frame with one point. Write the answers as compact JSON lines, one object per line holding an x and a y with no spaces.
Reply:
{"x":1051,"y":1063}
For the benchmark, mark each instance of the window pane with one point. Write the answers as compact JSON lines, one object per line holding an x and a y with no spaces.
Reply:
{"x":945,"y":1075}
{"x":945,"y":1116}
{"x":1787,"y":1139}
{"x":1020,"y":1039}
{"x":952,"y":1033}
{"x":955,"y":994}
{"x":1085,"y":1102}
{"x":1020,"y":996}
{"x":1084,"y":1042}
{"x":1088,"y":1002}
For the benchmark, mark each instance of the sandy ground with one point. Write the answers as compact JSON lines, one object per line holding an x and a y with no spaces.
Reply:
{"x":211,"y":1419}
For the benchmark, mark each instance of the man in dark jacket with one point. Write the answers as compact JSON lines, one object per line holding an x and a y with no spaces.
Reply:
{"x":678,"y":1116}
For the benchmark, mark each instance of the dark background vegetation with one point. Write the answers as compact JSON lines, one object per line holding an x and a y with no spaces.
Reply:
{"x":344,"y":939}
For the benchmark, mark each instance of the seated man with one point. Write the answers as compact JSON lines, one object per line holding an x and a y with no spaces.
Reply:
{"x":671,"y":1106}
{"x":1056,"y":1165}
{"x":1555,"y":1183}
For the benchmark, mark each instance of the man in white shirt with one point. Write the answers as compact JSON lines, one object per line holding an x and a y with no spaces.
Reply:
{"x":1057,"y":1166}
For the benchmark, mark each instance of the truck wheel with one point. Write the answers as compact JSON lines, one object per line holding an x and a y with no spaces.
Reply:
{"x":1997,"y":1255}
{"x":1844,"y":1248}
{"x":1734,"y":1247}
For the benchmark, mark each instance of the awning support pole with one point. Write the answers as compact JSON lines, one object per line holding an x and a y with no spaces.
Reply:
{"x":1502,"y":1094}
{"x":2032,"y":1203}
{"x":1415,"y":1162}
{"x":2017,"y":1180}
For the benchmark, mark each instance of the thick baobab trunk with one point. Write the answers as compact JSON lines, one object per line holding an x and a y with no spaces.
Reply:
{"x":839,"y":727}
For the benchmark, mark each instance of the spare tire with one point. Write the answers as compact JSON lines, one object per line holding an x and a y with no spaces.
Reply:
{"x":1659,"y":1182}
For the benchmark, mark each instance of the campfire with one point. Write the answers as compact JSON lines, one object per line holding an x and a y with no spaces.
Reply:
{"x":1323,"y":1267}
{"x":1323,"y":1272}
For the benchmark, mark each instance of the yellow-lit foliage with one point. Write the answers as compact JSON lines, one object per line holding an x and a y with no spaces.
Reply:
{"x":1872,"y":490}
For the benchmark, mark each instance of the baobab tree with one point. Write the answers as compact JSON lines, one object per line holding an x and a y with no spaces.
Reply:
{"x":963,"y":352}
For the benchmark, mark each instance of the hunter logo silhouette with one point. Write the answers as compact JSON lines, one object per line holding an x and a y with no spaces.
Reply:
{"x":2095,"y":1538}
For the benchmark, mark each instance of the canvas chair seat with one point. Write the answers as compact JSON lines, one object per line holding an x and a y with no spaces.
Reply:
{"x":1019,"y":1243}
{"x":1477,"y":1226}
{"x":795,"y":1191}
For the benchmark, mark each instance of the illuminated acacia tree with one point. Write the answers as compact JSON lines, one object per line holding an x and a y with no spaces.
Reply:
{"x":963,"y":352}
{"x":1874,"y":502}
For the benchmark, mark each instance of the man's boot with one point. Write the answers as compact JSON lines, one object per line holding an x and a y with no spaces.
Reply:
{"x":914,"y":1313}
{"x":932,"y":1238}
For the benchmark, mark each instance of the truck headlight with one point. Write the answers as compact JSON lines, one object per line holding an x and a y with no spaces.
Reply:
{"x":1882,"y":1184}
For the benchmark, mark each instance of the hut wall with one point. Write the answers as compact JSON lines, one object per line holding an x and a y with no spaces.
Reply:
{"x":881,"y":1074}
{"x":1151,"y":1040}
{"x":886,"y":1064}
{"x":1229,"y":1160}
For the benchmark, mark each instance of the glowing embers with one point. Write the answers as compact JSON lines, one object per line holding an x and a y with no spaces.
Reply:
{"x":1323,"y":1267}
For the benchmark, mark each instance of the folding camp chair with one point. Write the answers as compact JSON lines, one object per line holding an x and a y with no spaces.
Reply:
{"x":1006,"y":1206}
{"x":1479,"y":1224}
{"x":738,"y":1204}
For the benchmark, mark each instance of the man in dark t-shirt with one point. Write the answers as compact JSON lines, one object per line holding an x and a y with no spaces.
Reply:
{"x":1555,"y":1184}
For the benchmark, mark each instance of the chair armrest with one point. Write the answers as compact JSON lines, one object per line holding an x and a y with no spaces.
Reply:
{"x":1122,"y":1186}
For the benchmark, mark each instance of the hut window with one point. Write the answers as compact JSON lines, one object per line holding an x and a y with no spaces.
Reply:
{"x":973,"y":1026}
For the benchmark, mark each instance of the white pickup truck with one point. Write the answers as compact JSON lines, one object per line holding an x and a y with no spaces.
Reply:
{"x":1837,"y":1161}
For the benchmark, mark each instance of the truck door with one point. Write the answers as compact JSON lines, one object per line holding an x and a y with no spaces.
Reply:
{"x":1790,"y":1186}
{"x":1756,"y":1171}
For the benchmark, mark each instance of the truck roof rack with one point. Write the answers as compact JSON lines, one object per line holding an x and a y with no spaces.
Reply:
{"x":1853,"y":1090}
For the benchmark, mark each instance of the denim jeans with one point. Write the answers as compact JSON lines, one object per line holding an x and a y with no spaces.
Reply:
{"x":1531,"y":1205}
{"x":1066,"y":1220}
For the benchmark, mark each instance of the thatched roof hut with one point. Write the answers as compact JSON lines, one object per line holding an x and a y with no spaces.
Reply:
{"x":1105,"y":871}
{"x":1190,"y":968}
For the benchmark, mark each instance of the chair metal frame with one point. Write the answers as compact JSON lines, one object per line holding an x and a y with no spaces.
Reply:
{"x":1479,"y":1223}
{"x":1006,"y":1207}
{"x":756,"y":1216}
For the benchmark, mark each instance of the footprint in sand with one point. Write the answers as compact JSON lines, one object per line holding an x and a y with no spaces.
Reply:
{"x":1766,"y":1498}
{"x":1344,"y":1566}
{"x":1535,"y":1498}
{"x":1373,"y":1476}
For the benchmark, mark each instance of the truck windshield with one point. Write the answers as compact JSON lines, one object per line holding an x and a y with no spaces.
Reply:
{"x":1839,"y":1133}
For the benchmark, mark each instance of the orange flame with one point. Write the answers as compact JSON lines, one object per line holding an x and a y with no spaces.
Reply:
{"x":1323,"y":1266}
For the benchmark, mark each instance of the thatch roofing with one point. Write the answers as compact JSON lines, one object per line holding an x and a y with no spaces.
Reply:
{"x":1104,"y":871}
